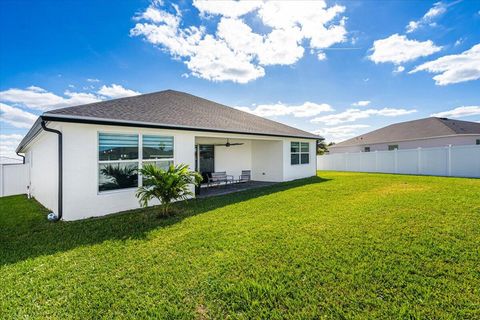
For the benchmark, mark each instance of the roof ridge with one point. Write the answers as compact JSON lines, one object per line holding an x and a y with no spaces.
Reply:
{"x":441,"y":120}
{"x":233,"y":109}
{"x":414,"y":129}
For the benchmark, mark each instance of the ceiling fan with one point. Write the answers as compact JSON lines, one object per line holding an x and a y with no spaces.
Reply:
{"x":228,"y":144}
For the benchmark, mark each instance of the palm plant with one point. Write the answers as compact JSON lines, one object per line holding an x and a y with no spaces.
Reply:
{"x":166,"y":185}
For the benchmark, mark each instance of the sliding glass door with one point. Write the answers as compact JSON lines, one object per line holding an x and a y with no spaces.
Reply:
{"x":205,"y":160}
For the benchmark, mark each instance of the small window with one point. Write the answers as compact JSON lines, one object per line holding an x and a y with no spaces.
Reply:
{"x":295,"y":147}
{"x":159,"y":164}
{"x":117,"y":175}
{"x":295,"y":158}
{"x":157,"y":147}
{"x":117,"y":147}
{"x":366,"y":149}
{"x":299,"y":153}
{"x":304,"y":153}
{"x":157,"y":150}
{"x":304,"y":158}
{"x":478,"y":141}
{"x":393,"y":147}
{"x":304,"y":147}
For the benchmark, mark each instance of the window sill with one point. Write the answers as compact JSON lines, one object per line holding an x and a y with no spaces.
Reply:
{"x":107,"y":192}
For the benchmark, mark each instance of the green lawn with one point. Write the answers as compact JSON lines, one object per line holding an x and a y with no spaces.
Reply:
{"x":340,"y":245}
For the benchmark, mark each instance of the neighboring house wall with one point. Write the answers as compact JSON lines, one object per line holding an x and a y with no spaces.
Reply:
{"x":458,"y":140}
{"x":42,"y":160}
{"x":298,"y":171}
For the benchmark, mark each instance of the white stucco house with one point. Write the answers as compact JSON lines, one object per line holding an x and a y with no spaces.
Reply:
{"x":422,"y":133}
{"x":69,"y":150}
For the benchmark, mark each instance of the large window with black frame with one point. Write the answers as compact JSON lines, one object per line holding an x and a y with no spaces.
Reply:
{"x":120,"y":156}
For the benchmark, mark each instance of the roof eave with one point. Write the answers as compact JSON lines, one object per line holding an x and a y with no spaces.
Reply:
{"x":116,"y":122}
{"x":338,"y":145}
{"x":31,"y":134}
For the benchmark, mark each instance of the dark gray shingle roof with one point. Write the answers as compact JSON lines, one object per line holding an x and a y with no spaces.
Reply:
{"x":412,"y":130}
{"x":179,"y":110}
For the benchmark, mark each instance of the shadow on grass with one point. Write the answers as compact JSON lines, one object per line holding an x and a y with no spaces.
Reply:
{"x":26,"y":233}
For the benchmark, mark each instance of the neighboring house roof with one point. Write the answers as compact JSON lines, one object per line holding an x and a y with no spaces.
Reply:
{"x":414,"y":130}
{"x":170,"y":109}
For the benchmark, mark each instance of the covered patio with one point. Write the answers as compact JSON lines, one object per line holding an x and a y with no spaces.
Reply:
{"x":233,"y":155}
{"x":206,"y":191}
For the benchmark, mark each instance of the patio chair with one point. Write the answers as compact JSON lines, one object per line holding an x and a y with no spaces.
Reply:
{"x":245,"y":176}
{"x":218,"y":178}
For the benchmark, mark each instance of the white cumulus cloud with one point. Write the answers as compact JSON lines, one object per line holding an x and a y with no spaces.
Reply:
{"x":40,"y":99}
{"x":399,"y":69}
{"x":16,"y":117}
{"x":307,"y":109}
{"x":438,"y":9}
{"x":351,"y":115}
{"x":454,"y":68}
{"x":36,"y":98}
{"x":398,"y":49}
{"x":459,"y":112}
{"x":227,"y":8}
{"x":115,"y":91}
{"x":8,"y":144}
{"x":340,"y":133}
{"x":361,"y":103}
{"x":235,"y":52}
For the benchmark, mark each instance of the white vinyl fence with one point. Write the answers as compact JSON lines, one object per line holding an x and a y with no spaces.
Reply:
{"x":13,"y":179}
{"x":459,"y":161}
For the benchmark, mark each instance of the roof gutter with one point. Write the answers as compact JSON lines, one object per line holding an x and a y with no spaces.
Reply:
{"x":23,"y":157}
{"x":60,"y":170}
{"x":338,"y":145}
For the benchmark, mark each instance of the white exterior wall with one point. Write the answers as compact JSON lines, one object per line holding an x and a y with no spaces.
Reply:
{"x":81,"y":197}
{"x":267,"y":160}
{"x":41,"y":158}
{"x":234,"y":159}
{"x":457,"y":140}
{"x":298,"y":171}
{"x":267,"y":157}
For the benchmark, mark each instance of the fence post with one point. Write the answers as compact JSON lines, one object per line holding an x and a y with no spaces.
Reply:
{"x":419,"y":160}
{"x":449,"y":160}
{"x":395,"y":160}
{"x":346,"y":161}
{"x":1,"y":180}
{"x":376,"y":160}
{"x":361,"y":164}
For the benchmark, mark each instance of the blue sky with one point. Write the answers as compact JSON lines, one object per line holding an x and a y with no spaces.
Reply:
{"x":337,"y":68}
